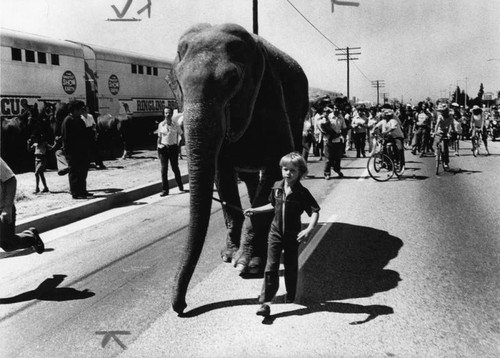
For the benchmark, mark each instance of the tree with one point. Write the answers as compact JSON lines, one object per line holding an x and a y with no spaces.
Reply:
{"x":481,"y":92}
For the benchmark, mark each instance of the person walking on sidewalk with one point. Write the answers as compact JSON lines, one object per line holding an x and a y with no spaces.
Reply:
{"x":39,"y":145}
{"x":91,"y":125}
{"x":168,"y":150}
{"x":76,"y":150}
{"x":9,"y":240}
{"x":288,"y":199}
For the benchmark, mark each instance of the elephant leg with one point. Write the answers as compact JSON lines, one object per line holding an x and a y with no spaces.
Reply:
{"x":251,"y":257}
{"x":227,"y":187}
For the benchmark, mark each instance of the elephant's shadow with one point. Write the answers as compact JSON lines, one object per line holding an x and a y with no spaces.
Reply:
{"x":348,"y":262}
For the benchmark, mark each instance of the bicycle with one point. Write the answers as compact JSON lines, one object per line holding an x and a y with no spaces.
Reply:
{"x":476,"y":142}
{"x":383,"y":164}
{"x":439,"y":153}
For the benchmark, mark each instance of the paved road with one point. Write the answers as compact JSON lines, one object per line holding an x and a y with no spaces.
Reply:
{"x":403,"y":268}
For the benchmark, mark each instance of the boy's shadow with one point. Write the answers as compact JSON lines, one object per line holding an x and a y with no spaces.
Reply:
{"x":48,"y":291}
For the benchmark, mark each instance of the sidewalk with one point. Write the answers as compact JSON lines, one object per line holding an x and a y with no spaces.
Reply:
{"x":123,"y":180}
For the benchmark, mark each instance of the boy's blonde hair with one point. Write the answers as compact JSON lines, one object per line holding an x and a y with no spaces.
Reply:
{"x":296,"y":160}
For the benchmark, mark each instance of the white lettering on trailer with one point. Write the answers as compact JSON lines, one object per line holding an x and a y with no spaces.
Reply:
{"x":69,"y":82}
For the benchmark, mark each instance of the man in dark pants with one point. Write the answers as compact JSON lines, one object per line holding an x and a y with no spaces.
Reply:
{"x":9,"y":240}
{"x":332,"y":126}
{"x":169,"y":132}
{"x":76,"y":150}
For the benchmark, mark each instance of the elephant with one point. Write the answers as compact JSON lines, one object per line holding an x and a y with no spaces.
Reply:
{"x":120,"y":127}
{"x":244,"y":103}
{"x":15,"y":132}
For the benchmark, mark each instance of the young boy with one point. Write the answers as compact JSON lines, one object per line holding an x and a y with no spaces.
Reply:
{"x":289,"y":199}
{"x":40,"y":146}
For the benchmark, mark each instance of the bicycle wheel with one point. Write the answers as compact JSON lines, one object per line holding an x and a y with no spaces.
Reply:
{"x":438,"y":158}
{"x":380,"y":167}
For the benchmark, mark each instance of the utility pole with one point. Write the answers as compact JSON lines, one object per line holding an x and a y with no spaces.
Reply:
{"x":256,"y":17}
{"x":378,"y":84}
{"x":346,"y":53}
{"x":465,"y":92}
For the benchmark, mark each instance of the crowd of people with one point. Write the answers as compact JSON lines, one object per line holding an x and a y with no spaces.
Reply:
{"x":332,"y":128}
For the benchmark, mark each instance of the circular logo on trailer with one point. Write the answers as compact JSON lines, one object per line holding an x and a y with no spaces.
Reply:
{"x":113,"y":84}
{"x":69,"y":82}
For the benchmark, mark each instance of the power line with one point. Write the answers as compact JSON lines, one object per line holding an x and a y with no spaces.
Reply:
{"x":323,"y":35}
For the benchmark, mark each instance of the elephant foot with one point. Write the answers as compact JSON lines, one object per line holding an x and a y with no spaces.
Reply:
{"x":227,"y":254}
{"x":256,"y":266}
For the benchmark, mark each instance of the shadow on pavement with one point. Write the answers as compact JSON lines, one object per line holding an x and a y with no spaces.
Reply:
{"x":373,"y":311}
{"x":48,"y":291}
{"x":347,"y":263}
{"x":22,"y":252}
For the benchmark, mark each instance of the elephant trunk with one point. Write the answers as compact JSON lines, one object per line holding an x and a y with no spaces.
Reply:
{"x":205,"y":128}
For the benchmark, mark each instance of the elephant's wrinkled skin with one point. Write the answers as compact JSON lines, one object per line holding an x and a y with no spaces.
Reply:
{"x":244,"y":103}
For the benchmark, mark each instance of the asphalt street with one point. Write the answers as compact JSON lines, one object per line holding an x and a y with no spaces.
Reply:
{"x":404,"y":268}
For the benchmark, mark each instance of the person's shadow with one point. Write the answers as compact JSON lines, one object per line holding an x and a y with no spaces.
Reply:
{"x":48,"y":291}
{"x":349,"y":262}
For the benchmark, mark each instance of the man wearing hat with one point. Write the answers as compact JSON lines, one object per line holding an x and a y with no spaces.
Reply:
{"x":443,"y":129}
{"x":477,"y":123}
{"x":394,"y":131}
{"x":332,"y":125}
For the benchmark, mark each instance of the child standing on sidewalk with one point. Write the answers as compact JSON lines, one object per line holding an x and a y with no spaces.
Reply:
{"x":40,"y":146}
{"x":289,"y":199}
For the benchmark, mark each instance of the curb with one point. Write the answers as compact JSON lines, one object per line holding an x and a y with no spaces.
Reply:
{"x":65,"y":216}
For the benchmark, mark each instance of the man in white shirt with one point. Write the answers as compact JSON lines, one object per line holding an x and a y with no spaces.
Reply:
{"x":394,"y":131}
{"x":91,"y":126}
{"x":332,"y":126}
{"x":169,"y":132}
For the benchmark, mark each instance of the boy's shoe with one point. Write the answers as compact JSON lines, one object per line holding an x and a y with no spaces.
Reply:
{"x":446,"y":166}
{"x":164,"y":193}
{"x":264,"y":310}
{"x":327,"y":176}
{"x":45,"y":190}
{"x":36,"y":191}
{"x":39,"y":246}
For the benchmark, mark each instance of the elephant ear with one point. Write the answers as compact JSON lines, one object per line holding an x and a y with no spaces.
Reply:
{"x":174,"y":85}
{"x":242,"y":104}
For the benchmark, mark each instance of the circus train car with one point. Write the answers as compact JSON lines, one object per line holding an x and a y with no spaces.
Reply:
{"x":40,"y":70}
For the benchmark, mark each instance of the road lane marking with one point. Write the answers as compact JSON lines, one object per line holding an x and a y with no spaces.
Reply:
{"x":315,"y":240}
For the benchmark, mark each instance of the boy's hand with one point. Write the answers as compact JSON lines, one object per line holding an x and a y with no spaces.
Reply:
{"x":303,"y":235}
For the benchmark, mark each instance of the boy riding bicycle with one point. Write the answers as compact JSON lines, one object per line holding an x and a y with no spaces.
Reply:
{"x":443,"y":129}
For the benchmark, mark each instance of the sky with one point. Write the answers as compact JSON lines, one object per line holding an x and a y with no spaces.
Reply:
{"x":418,"y":49}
